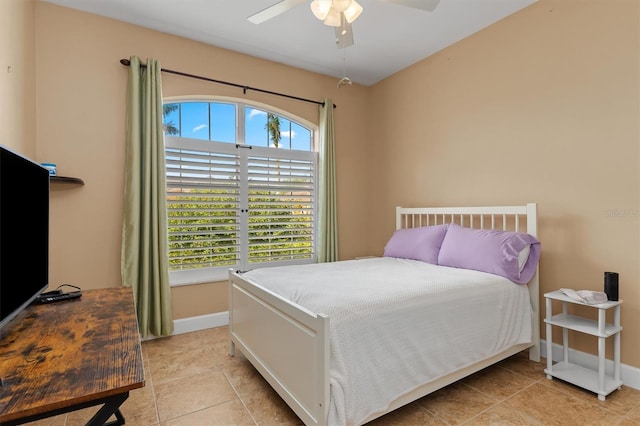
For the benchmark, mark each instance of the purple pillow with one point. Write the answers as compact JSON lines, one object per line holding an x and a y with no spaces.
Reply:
{"x":513,"y":255}
{"x":416,"y":243}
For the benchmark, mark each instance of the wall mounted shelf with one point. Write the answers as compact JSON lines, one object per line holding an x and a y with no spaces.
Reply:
{"x":66,"y":180}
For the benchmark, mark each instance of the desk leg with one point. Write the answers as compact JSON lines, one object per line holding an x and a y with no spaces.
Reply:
{"x":119,"y":421}
{"x":110,"y":407}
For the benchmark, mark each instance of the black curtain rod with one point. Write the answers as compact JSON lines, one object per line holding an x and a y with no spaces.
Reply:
{"x":244,"y":88}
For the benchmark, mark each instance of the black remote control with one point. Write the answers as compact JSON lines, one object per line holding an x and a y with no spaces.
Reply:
{"x":50,"y":298}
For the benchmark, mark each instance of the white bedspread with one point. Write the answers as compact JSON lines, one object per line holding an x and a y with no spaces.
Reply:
{"x":397,"y":324}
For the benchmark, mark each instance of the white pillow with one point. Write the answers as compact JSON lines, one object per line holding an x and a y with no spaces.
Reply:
{"x":523,"y":256}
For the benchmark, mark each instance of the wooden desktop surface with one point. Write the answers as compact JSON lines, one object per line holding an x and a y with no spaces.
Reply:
{"x":65,"y":354}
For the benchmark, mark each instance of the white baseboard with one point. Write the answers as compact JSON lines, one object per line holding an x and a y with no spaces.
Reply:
{"x":202,"y":322}
{"x":630,"y":375}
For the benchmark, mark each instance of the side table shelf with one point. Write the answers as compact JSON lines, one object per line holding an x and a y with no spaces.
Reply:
{"x":595,"y":381}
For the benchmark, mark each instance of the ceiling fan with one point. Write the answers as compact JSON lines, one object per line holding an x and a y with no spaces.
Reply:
{"x":335,"y":13}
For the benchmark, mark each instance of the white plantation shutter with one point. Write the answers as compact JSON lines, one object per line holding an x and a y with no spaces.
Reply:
{"x":203,"y":201}
{"x":234,"y":206}
{"x":281,"y":207}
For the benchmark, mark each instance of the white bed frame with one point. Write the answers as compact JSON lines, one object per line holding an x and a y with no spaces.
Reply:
{"x":289,"y":345}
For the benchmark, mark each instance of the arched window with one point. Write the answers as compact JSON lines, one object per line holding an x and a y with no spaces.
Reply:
{"x":241,"y":188}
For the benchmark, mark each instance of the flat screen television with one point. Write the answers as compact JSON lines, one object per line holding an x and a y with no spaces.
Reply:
{"x":24,"y":233}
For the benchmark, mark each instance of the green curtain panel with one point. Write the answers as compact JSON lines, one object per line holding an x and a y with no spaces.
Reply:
{"x":144,"y":256}
{"x":327,"y":206}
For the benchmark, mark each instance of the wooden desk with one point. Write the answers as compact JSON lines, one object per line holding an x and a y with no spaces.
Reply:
{"x":65,"y":356}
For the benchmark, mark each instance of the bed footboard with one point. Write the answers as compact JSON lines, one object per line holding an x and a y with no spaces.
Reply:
{"x":286,"y":343}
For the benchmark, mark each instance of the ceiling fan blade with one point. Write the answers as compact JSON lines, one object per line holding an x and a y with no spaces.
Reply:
{"x":428,"y":5}
{"x":344,"y":34}
{"x":274,"y":10}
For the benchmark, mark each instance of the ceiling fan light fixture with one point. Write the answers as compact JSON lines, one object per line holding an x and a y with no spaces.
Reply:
{"x":341,"y":5}
{"x":333,"y":18}
{"x":321,"y":8}
{"x":331,"y":11}
{"x":352,"y":12}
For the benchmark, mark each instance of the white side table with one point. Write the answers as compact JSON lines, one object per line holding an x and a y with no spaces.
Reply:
{"x":595,"y":381}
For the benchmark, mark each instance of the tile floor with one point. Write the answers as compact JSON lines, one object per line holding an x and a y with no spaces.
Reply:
{"x":191,"y":381}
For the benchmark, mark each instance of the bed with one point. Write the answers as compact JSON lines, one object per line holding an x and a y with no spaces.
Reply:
{"x":336,"y":357}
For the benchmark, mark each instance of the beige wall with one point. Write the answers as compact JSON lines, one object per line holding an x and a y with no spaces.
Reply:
{"x":540,"y":107}
{"x":17,"y":70}
{"x":80,"y":127}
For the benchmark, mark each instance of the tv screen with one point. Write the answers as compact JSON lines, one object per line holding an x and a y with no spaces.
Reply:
{"x":24,"y":232}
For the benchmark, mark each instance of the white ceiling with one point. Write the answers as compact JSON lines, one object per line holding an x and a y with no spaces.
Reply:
{"x":388,"y":37}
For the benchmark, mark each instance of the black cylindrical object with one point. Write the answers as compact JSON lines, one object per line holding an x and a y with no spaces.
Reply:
{"x":611,"y":285}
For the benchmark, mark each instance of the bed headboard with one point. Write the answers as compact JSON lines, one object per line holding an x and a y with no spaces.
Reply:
{"x":507,"y":218}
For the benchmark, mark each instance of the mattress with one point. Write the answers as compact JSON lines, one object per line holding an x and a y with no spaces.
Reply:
{"x":396,"y":324}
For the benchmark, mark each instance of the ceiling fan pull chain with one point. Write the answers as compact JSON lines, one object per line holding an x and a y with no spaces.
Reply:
{"x":344,"y":81}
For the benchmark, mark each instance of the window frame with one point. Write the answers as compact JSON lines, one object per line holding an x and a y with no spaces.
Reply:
{"x":220,"y":273}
